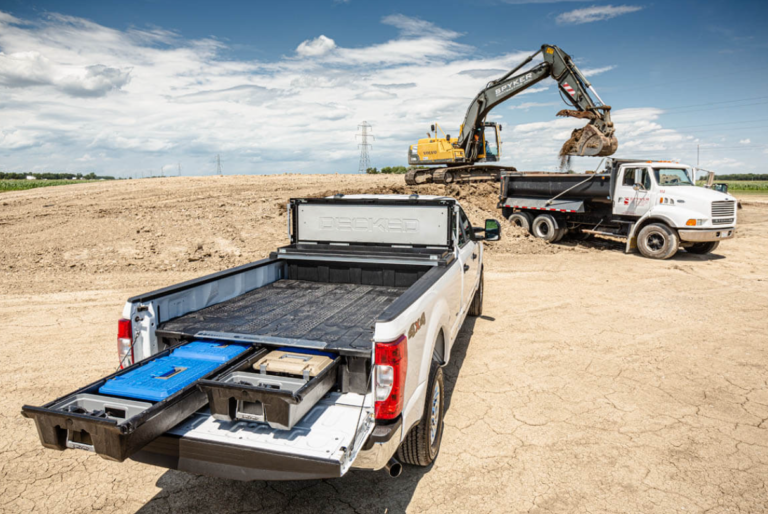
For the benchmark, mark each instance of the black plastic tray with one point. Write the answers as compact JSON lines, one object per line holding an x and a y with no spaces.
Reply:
{"x":281,"y":409}
{"x":112,"y":439}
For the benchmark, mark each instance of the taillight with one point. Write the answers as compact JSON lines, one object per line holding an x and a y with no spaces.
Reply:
{"x":125,"y":343}
{"x":391,"y":364}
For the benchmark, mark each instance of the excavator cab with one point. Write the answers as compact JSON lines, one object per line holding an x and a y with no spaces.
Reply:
{"x":490,"y":137}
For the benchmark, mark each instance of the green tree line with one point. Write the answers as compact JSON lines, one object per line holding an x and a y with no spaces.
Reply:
{"x":388,"y":170}
{"x":743,"y":176}
{"x":53,"y":176}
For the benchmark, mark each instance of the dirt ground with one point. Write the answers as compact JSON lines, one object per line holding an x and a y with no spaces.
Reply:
{"x":595,"y":381}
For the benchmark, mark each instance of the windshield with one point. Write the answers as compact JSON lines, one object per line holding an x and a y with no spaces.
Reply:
{"x":672,"y":177}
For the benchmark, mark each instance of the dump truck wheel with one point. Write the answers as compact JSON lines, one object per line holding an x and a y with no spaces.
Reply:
{"x":521,"y":219}
{"x":544,"y":227}
{"x":422,"y":444}
{"x":657,"y":241}
{"x":702,"y":248}
{"x":561,"y":232}
{"x":476,"y":307}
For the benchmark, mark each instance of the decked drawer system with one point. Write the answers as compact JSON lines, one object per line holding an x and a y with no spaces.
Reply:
{"x":281,"y":397}
{"x":119,"y":414}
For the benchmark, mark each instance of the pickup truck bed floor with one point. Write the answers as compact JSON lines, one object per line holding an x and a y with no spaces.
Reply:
{"x":341,"y":315}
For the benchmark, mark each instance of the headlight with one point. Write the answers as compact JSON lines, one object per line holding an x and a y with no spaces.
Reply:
{"x":695,"y":223}
{"x":666,"y":201}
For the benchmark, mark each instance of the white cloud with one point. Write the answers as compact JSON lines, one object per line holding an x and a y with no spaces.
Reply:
{"x":528,"y":105}
{"x":595,"y":13}
{"x":591,"y":72}
{"x":81,"y":97}
{"x":416,"y":27}
{"x":314,"y":47}
{"x":745,"y":141}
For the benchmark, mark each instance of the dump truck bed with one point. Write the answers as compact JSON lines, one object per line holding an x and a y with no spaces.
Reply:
{"x":340,"y":315}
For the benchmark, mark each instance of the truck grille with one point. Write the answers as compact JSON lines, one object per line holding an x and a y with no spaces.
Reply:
{"x":723,"y":212}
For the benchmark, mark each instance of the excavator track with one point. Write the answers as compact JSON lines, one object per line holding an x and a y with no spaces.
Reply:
{"x":456,"y":174}
{"x":419,"y":176}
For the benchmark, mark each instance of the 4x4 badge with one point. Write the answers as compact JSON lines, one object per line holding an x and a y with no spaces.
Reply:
{"x":416,"y":325}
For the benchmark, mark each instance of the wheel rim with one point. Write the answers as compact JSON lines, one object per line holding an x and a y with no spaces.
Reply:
{"x":543,"y":229}
{"x":434,"y":415}
{"x":655,"y":242}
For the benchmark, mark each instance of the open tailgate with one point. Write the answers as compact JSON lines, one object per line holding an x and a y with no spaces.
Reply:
{"x":322,"y":445}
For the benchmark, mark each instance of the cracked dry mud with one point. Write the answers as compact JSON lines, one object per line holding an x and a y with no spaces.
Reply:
{"x":595,"y":382}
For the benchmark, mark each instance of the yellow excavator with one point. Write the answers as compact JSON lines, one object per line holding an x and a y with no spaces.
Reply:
{"x":443,"y":159}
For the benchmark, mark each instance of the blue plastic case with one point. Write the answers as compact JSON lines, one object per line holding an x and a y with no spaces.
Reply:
{"x":158,"y":379}
{"x":210,"y":351}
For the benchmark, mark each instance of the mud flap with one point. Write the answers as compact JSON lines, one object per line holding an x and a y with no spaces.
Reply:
{"x":631,"y":240}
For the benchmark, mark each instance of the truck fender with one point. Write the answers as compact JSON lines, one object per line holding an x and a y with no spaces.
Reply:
{"x":644,"y":220}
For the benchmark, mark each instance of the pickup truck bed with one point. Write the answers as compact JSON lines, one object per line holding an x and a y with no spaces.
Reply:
{"x":341,"y":315}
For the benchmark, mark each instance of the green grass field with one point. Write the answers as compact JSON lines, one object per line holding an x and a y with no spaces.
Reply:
{"x":21,"y":185}
{"x":743,"y":186}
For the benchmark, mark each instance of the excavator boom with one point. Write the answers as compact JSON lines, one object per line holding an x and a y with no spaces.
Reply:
{"x":595,"y":139}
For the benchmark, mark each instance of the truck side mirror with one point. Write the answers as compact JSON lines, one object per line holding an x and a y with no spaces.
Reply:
{"x":492,"y":230}
{"x":432,"y":128}
{"x":638,"y":187}
{"x":499,"y":128}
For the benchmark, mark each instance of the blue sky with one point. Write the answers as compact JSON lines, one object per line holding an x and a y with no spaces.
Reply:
{"x":129,"y":88}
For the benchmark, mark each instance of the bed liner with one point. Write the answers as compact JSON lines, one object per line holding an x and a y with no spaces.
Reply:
{"x":340,"y":315}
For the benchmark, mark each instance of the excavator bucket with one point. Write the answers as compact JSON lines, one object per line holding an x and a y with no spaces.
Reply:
{"x":588,"y":141}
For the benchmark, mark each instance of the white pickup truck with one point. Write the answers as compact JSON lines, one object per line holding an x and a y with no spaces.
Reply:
{"x":654,"y":205}
{"x":381,"y":284}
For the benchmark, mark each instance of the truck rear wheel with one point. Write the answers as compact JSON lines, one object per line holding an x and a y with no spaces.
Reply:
{"x":422,"y":444}
{"x":702,"y":248}
{"x":657,"y":241}
{"x":476,"y":307}
{"x":545,"y":227}
{"x":521,"y":219}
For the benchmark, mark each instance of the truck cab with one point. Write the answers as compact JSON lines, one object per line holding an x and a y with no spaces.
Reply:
{"x":664,"y":192}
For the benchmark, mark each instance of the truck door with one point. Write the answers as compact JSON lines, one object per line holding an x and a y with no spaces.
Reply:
{"x":469,"y":257}
{"x":633,"y":191}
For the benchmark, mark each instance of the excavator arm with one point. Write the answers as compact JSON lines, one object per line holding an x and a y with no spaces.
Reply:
{"x":595,"y":139}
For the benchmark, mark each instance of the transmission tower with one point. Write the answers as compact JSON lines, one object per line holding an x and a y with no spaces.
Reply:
{"x":365,"y":146}
{"x":218,"y":164}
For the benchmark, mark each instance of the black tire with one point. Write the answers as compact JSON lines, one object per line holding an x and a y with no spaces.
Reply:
{"x":476,"y":307}
{"x":420,"y":448}
{"x":561,"y":232}
{"x":702,"y":248}
{"x":545,"y":227}
{"x":657,"y":241}
{"x":521,"y":219}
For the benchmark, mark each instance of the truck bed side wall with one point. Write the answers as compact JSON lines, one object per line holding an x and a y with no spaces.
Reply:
{"x":149,"y":310}
{"x":435,"y":310}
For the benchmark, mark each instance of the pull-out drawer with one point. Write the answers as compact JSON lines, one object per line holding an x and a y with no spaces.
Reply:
{"x":249,"y":392}
{"x":116,"y":427}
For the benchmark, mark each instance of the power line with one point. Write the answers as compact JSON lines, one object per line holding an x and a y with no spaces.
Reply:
{"x":718,"y":103}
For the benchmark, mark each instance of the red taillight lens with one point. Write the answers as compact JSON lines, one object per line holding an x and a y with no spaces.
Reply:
{"x":391,"y":364}
{"x":125,"y":342}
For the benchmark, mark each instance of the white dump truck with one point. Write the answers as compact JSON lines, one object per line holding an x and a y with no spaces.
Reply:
{"x":325,"y":356}
{"x":654,"y":205}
